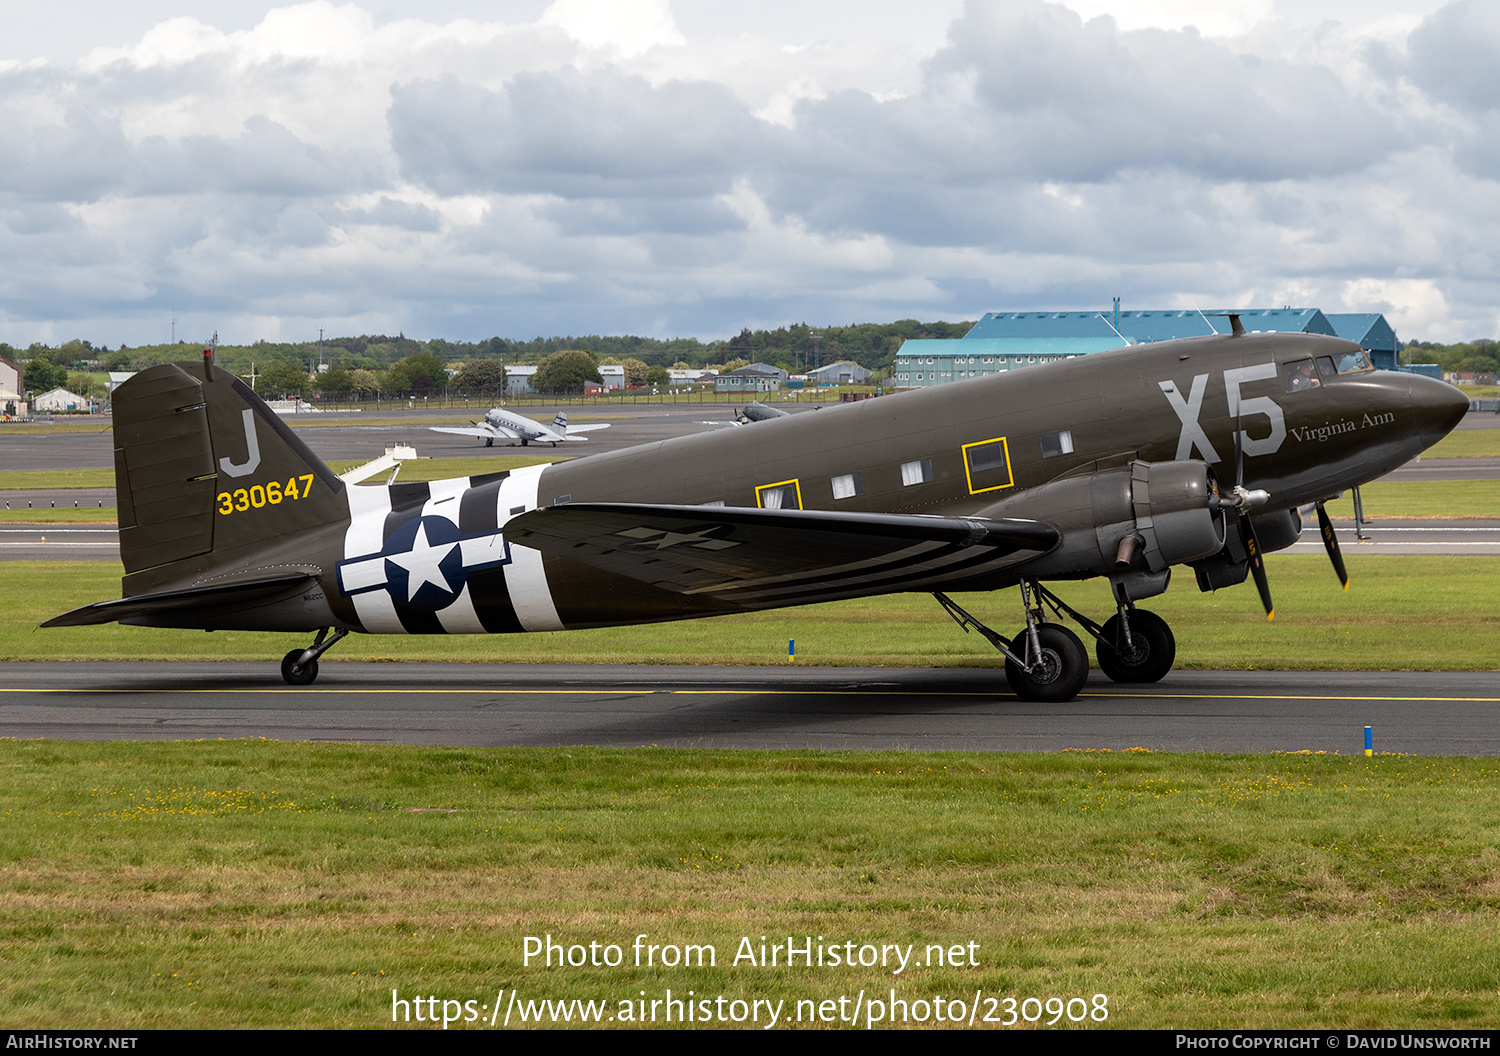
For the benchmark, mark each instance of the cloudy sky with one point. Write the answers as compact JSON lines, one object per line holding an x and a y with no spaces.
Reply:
{"x":462,"y":169}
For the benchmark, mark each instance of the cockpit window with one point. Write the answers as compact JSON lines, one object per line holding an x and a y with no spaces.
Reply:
{"x":1355,"y":362}
{"x":1326,"y":367}
{"x":1299,"y":374}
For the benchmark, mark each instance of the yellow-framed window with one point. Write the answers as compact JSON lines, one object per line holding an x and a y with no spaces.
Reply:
{"x":987,"y":465}
{"x":783,"y":495}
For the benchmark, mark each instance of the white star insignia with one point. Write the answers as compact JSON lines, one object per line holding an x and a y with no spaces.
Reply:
{"x":421,"y":563}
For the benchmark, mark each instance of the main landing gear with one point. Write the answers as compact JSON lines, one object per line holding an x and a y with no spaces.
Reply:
{"x":300,"y":666}
{"x":1047,"y":662}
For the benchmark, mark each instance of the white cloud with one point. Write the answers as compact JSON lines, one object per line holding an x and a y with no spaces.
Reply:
{"x":625,"y":27}
{"x":692,"y":168}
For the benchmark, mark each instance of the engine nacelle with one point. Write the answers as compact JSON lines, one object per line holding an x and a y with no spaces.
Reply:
{"x":1274,"y":531}
{"x":1144,"y":517}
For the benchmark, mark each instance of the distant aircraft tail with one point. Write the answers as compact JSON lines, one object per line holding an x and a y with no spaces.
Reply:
{"x":206,"y":474}
{"x":560,"y":423}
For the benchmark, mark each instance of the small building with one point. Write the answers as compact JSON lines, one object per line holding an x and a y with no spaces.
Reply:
{"x":118,"y":378}
{"x":12,"y":377}
{"x":56,"y":400}
{"x":757,"y":377}
{"x":518,"y":380}
{"x":840,"y":373}
{"x":11,"y":404}
{"x":613,"y":375}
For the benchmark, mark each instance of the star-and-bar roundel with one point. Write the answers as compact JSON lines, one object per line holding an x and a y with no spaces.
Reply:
{"x":423,"y":564}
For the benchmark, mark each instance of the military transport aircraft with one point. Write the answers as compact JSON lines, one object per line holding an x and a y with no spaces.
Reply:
{"x":1117,"y":464}
{"x":754,"y":412}
{"x":500,"y":424}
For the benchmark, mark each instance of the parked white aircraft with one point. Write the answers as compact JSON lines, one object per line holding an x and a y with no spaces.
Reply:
{"x":500,"y":424}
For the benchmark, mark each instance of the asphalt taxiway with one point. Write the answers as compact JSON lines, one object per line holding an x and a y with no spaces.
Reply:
{"x":1424,"y":713}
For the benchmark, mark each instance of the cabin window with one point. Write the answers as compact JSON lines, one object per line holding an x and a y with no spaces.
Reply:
{"x":987,"y":465}
{"x":918,"y":472}
{"x":848,"y":485}
{"x":783,"y":495}
{"x":1299,"y":374}
{"x":1060,"y":443}
{"x":1326,"y":367}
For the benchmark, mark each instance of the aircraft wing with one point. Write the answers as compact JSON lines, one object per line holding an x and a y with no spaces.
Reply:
{"x":484,"y":432}
{"x":756,"y":558}
{"x":197,"y":601}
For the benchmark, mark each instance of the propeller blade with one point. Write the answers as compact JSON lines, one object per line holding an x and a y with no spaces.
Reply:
{"x":1258,"y":567}
{"x":1331,"y":544}
{"x":1239,"y":454}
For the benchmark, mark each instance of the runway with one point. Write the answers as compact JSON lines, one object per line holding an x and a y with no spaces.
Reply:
{"x":1424,"y":713}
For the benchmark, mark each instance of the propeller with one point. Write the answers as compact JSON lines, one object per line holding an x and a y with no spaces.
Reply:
{"x":1331,"y":544}
{"x":1244,"y":500}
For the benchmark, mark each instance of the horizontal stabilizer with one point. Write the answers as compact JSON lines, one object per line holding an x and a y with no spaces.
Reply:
{"x":238,"y":594}
{"x":761,"y":558}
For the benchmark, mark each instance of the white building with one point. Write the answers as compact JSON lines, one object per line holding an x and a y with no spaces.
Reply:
{"x":61,"y":400}
{"x":12,"y":378}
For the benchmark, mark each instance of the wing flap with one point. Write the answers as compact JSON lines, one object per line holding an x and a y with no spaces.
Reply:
{"x":768,"y":558}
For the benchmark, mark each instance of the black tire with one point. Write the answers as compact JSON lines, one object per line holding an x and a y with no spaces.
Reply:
{"x":490,"y":442}
{"x":303,"y":677}
{"x":1063,"y":670}
{"x":1153,"y":653}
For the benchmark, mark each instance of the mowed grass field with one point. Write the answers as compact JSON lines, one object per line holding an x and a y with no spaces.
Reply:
{"x":1423,"y":613}
{"x":257,"y":884}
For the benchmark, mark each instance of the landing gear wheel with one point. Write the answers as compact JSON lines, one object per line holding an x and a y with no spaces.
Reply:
{"x":302,"y":676}
{"x":490,"y":442}
{"x":1061,"y":671}
{"x":1152,"y":653}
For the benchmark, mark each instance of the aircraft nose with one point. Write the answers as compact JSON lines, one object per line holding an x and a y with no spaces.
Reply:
{"x":1437,"y":406}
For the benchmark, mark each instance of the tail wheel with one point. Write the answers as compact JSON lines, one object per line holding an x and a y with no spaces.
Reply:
{"x":298,"y":676}
{"x":1151,"y":653}
{"x":1056,"y":676}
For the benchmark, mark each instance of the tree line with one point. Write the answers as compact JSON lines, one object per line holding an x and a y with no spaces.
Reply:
{"x":373,"y":365}
{"x":1465,"y":357}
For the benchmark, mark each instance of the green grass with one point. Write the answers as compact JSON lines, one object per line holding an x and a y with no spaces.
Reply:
{"x":230,"y":884}
{"x":1449,"y":499}
{"x":13,"y":479}
{"x":1424,"y":613}
{"x":63,"y":423}
{"x":1466,"y":443}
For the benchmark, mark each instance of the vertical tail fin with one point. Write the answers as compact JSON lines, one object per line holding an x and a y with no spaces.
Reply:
{"x":560,"y":423}
{"x":203,"y":467}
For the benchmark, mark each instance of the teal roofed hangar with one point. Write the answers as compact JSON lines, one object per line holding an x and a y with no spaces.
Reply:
{"x":1003,"y":341}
